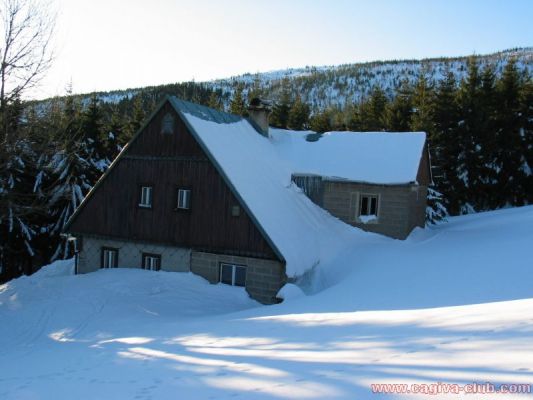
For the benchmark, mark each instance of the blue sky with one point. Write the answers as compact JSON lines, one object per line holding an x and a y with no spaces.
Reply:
{"x":113,"y":44}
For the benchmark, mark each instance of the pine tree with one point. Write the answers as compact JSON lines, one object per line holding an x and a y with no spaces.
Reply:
{"x":372,"y":113}
{"x":422,"y":101}
{"x":79,"y":161}
{"x":337,"y":119}
{"x":443,"y":143}
{"x":399,"y":111}
{"x":353,"y":116}
{"x":469,"y":137}
{"x":19,"y":206}
{"x":485,"y":192}
{"x":237,"y":105}
{"x":215,"y":101}
{"x":526,"y":101}
{"x":256,"y":90}
{"x":298,"y":115}
{"x":95,"y":145}
{"x":115,"y":132}
{"x":279,"y":117}
{"x":68,"y":176}
{"x":134,"y":120}
{"x":509,"y":129}
{"x":320,"y":122}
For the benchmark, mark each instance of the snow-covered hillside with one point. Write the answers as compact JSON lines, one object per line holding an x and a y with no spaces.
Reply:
{"x":451,"y":305}
{"x":337,"y":85}
{"x":325,"y":86}
{"x":330,"y":86}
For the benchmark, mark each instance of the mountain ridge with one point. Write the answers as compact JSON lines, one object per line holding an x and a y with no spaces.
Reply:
{"x":327,"y":85}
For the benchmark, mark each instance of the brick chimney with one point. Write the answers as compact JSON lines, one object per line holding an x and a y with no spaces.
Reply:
{"x":259,"y":111}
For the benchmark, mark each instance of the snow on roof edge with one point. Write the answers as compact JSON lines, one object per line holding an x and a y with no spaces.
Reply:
{"x":387,"y":158}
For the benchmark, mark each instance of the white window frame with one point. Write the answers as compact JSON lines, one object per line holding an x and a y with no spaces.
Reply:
{"x":233,"y":273}
{"x":369,"y":196}
{"x":146,"y":196}
{"x":109,"y":257}
{"x":151,"y":262}
{"x":184,"y":199}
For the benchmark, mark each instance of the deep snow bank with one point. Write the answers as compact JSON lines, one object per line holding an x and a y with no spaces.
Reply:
{"x":72,"y":307}
{"x":471,"y":259}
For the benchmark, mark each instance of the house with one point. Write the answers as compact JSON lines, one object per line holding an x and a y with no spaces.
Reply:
{"x":375,"y":181}
{"x":237,"y":202}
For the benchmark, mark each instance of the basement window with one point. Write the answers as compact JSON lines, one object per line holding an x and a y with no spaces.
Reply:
{"x":109,"y":257}
{"x":368,"y":205}
{"x":151,"y":262}
{"x":146,"y":197}
{"x":232,"y":274}
{"x":184,"y":199}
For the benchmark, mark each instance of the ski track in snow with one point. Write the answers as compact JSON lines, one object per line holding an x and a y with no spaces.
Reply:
{"x":451,"y":304}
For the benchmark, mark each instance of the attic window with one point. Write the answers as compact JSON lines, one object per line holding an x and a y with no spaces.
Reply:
{"x":235,"y":211}
{"x":167,"y":124}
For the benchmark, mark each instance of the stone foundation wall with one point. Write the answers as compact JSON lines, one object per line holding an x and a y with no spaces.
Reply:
{"x":130,"y":254}
{"x":264,"y":278}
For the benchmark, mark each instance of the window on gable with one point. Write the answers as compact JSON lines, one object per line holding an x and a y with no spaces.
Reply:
{"x":151,"y":262}
{"x":146,"y":197}
{"x":167,"y":124}
{"x":232,"y":274}
{"x":184,"y":199}
{"x":109,"y":257}
{"x":368,"y":205}
{"x":235,"y":211}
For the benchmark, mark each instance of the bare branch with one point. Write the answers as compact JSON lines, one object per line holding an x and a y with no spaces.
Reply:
{"x":25,"y":53}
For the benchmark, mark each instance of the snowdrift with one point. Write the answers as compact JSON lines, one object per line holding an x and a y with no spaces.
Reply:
{"x":383,"y":311}
{"x":471,"y":259}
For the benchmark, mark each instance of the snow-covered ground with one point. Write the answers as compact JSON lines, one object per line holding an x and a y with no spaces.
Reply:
{"x":451,"y":305}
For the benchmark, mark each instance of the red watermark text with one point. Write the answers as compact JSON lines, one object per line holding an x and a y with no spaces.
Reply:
{"x":450,"y":388}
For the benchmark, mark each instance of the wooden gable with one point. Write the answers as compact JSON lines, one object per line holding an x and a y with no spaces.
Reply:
{"x":168,"y":161}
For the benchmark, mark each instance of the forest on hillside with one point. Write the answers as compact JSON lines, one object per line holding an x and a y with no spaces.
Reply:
{"x":480,"y":130}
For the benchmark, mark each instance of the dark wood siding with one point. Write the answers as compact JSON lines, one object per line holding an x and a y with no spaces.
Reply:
{"x":168,"y":162}
{"x":424,"y":175}
{"x":152,"y":142}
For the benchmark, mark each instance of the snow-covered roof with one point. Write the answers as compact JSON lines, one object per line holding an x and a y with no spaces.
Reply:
{"x":260,"y":171}
{"x":373,"y":157}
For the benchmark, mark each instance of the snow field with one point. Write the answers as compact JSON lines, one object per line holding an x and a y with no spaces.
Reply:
{"x":452,"y":304}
